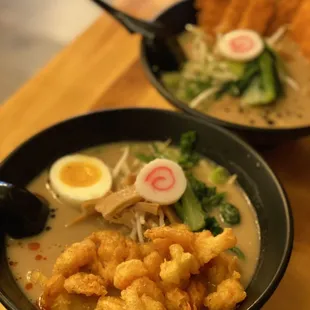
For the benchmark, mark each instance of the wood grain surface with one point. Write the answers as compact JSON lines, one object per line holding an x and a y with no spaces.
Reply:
{"x":101,"y":69}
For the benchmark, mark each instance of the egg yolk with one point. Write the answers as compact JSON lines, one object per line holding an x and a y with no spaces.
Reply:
{"x":80,"y":174}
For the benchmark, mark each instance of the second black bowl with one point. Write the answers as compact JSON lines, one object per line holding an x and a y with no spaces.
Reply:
{"x":157,"y":59}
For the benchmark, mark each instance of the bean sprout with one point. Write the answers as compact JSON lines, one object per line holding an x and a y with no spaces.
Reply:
{"x":117,"y":169}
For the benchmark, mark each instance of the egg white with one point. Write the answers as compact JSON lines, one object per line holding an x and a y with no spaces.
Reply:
{"x":75,"y":195}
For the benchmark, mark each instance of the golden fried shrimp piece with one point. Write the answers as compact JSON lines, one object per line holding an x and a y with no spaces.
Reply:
{"x":152,"y":263}
{"x":53,"y":287}
{"x":258,"y":15}
{"x":132,"y":250}
{"x":210,"y":12}
{"x":146,"y":248}
{"x":113,"y":246}
{"x":127,"y":272}
{"x":176,"y":299}
{"x":61,"y":302}
{"x":197,"y":292}
{"x":151,"y":304}
{"x":285,"y":11}
{"x":110,"y":303}
{"x":228,"y":294}
{"x":232,"y":16}
{"x":76,"y":256}
{"x":220,"y":268}
{"x":179,"y":234}
{"x":96,"y":268}
{"x":181,"y":266}
{"x":85,"y":284}
{"x":134,"y":301}
{"x":145,"y":286}
{"x":208,"y":247}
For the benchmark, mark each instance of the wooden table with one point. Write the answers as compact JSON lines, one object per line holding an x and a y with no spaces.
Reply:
{"x":101,"y":69}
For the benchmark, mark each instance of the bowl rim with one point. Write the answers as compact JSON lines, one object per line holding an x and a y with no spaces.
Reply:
{"x":184,"y":107}
{"x":287,"y":251}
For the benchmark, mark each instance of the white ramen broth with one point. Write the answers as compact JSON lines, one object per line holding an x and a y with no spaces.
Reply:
{"x":40,"y":252}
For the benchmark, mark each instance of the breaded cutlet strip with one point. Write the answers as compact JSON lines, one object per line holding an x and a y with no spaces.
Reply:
{"x":300,"y":29}
{"x":258,"y":15}
{"x":285,"y":12}
{"x":232,"y":15}
{"x":210,"y":13}
{"x":300,"y":22}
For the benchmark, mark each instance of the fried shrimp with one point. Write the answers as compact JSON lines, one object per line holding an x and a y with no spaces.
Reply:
{"x":127,"y":272}
{"x":220,"y":268}
{"x":174,"y":278}
{"x":197,"y":292}
{"x":210,"y":247}
{"x":76,"y":256}
{"x":85,"y":284}
{"x":176,"y":299}
{"x":134,"y":301}
{"x":53,"y":287}
{"x":165,"y":236}
{"x":152,"y":263}
{"x":144,"y":286}
{"x":110,"y":303}
{"x":181,"y":266}
{"x":258,"y":15}
{"x":228,"y":294}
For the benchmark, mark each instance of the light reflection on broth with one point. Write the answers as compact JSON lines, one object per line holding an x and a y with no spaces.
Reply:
{"x":40,"y":252}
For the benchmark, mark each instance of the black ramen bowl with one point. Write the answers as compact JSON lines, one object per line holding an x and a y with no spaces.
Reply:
{"x":254,"y":175}
{"x":158,"y":58}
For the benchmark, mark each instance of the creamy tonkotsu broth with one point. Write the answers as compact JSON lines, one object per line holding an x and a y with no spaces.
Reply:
{"x":40,"y":252}
{"x":292,"y":110}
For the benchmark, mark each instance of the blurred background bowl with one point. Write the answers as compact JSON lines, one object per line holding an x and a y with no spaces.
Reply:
{"x":157,"y":58}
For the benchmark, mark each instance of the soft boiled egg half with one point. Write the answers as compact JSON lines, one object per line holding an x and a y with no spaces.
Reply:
{"x":77,"y":178}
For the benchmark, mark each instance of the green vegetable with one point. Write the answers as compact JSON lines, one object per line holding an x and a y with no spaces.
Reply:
{"x":254,"y":94}
{"x":280,"y":68}
{"x":188,"y":157}
{"x":237,"y":68}
{"x":171,"y":80}
{"x":207,"y":196}
{"x":190,"y":89}
{"x":237,"y":252}
{"x":237,"y":88}
{"x":200,"y":189}
{"x":266,"y":87}
{"x":145,"y":158}
{"x":268,"y":77}
{"x":219,"y":175}
{"x":252,"y":70}
{"x":230,"y":214}
{"x":188,"y":141}
{"x":190,"y":210}
{"x":179,"y":210}
{"x":208,"y":203}
{"x":213,"y":226}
